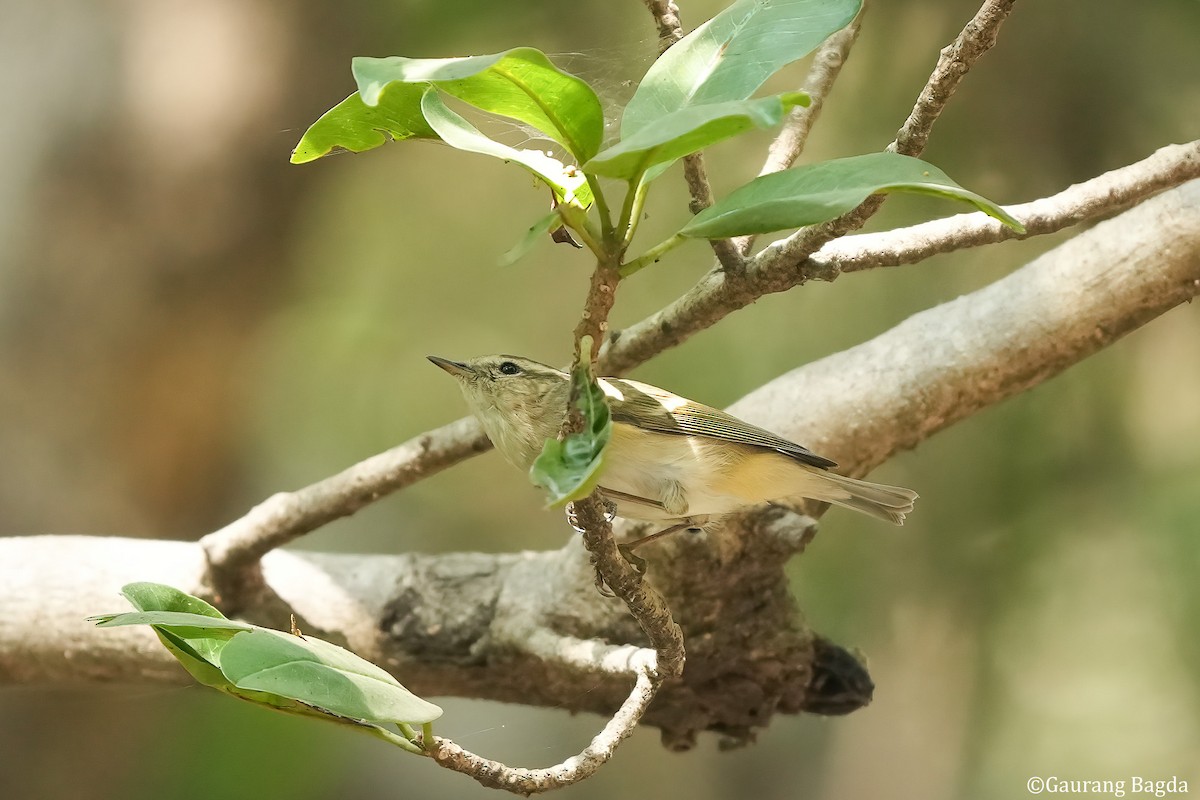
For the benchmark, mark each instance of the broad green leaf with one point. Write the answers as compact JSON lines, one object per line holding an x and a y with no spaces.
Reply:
{"x":354,"y":126}
{"x":820,"y":192}
{"x":569,"y":470}
{"x":731,"y":55}
{"x":688,"y":130}
{"x":520,"y":83}
{"x":567,"y":183}
{"x":323,"y":675}
{"x":537,"y":232}
{"x":160,"y":597}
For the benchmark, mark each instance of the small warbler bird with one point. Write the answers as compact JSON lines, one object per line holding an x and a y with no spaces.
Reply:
{"x":670,"y":460}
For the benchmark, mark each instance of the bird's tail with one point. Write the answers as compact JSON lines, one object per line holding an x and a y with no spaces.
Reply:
{"x":889,"y":503}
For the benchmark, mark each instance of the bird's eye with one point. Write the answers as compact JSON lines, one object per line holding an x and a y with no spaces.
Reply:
{"x":509,"y":368}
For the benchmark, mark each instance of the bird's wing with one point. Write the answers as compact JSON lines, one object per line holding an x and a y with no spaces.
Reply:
{"x":657,"y":410}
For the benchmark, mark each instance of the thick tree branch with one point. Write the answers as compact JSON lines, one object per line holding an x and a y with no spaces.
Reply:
{"x":461,"y":623}
{"x":949,"y":362}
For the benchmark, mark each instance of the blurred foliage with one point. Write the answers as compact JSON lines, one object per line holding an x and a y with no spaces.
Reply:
{"x":188,"y":324}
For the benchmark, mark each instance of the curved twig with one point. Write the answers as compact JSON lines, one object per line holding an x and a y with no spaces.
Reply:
{"x":530,"y":781}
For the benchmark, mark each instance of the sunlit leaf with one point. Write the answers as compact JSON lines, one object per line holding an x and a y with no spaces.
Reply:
{"x":567,"y":183}
{"x":160,"y":597}
{"x":354,"y":126}
{"x":820,"y":192}
{"x":520,"y":84}
{"x":688,"y":130}
{"x":730,"y":56}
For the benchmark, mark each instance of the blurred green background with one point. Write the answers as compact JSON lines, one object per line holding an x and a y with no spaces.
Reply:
{"x":188,"y":324}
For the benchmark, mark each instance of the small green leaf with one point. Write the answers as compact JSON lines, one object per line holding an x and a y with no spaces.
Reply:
{"x":354,"y":126}
{"x":731,"y":55}
{"x":520,"y":83}
{"x":569,"y":470}
{"x":817,"y":193}
{"x":568,"y":183}
{"x":536,"y":233}
{"x":321,"y":674}
{"x":688,"y":130}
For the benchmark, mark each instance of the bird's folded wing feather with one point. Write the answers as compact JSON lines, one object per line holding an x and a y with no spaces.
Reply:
{"x":654,"y":409}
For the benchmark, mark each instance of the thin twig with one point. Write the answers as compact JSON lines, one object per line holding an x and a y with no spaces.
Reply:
{"x":670,"y":30}
{"x":591,"y":655}
{"x":715,"y":295}
{"x":955,"y":61}
{"x":825,"y":68}
{"x":233,"y":551}
{"x":694,"y":172}
{"x":666,"y":18}
{"x":529,"y":781}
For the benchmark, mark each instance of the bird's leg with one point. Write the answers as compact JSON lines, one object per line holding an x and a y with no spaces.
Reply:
{"x":637,"y":561}
{"x":629,"y":547}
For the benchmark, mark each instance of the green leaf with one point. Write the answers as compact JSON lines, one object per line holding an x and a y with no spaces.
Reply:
{"x":731,"y":55}
{"x":820,"y":192}
{"x":198,"y":635}
{"x":354,"y":126}
{"x":201,"y":662}
{"x":171,"y":619}
{"x":323,"y":675}
{"x":537,"y":232}
{"x":569,"y":470}
{"x":520,"y":83}
{"x":688,"y":130}
{"x":160,"y":597}
{"x":568,"y":183}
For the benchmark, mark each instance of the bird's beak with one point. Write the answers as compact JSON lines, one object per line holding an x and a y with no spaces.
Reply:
{"x":455,"y":368}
